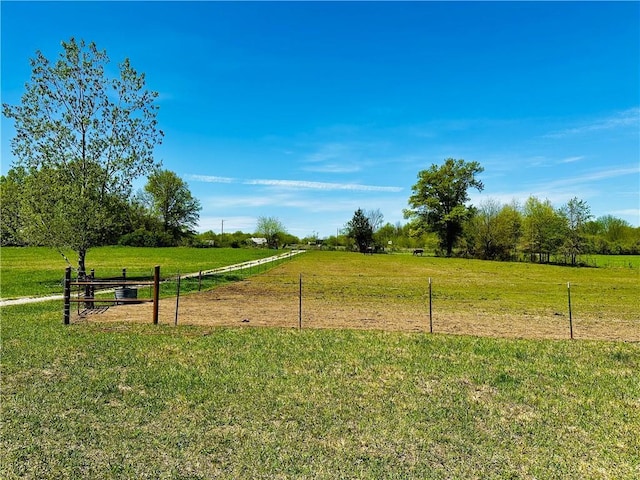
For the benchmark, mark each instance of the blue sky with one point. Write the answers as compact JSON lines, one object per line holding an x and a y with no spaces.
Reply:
{"x":306,"y":111}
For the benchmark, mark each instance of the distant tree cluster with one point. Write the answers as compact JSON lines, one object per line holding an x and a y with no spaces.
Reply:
{"x":539,"y":232}
{"x":272,"y":230}
{"x":536,"y":230}
{"x":163,"y":214}
{"x":443,"y":221}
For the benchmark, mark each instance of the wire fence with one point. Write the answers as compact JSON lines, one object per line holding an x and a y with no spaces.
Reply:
{"x":485,"y":307}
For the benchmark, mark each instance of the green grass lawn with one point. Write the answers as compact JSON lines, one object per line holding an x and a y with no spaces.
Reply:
{"x":615,"y":261}
{"x":40,"y":271}
{"x":138,"y":401}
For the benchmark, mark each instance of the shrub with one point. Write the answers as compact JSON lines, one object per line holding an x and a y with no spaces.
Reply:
{"x":145,"y":238}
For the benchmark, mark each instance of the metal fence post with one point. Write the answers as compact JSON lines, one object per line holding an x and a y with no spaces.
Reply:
{"x":177,"y":299}
{"x":67,"y":296}
{"x":430,"y":309}
{"x":91,"y":288}
{"x":570,"y":316}
{"x":156,"y":293}
{"x":300,"y":305}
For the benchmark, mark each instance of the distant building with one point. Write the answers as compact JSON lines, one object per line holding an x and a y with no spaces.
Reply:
{"x":259,"y":241}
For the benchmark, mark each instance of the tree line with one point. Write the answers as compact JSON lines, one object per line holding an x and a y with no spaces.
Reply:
{"x":36,"y":210}
{"x":536,"y":231}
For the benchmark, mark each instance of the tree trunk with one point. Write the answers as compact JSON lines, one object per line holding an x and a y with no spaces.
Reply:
{"x":82,"y":275}
{"x":82,"y":253}
{"x":449,"y":240}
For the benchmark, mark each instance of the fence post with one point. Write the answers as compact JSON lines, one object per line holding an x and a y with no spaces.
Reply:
{"x":156,"y":293}
{"x":300,"y":305}
{"x":67,"y":296}
{"x":570,"y":316}
{"x":91,"y":288}
{"x":199,"y":280}
{"x":87,"y":287}
{"x":177,"y":299}
{"x":430,"y":309}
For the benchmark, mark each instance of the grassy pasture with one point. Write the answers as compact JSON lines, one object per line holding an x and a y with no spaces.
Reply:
{"x":39,"y":271}
{"x":474,"y":287}
{"x":612,"y":261}
{"x":128,"y":400}
{"x":391,"y":292}
{"x":125,"y":400}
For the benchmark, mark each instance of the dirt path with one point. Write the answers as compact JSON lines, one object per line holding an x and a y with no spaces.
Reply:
{"x":25,"y":300}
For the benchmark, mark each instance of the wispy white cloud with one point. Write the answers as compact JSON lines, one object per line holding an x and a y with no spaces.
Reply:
{"x":511,"y":160}
{"x":625,"y":118}
{"x":239,"y":201}
{"x":572,"y":159}
{"x":310,"y":203}
{"x":296,"y":184}
{"x":594,"y":176}
{"x":210,"y":179}
{"x":303,"y":184}
{"x":583,"y":186}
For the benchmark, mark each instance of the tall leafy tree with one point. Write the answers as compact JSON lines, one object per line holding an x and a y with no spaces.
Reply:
{"x":510,"y":221}
{"x":272,"y":229}
{"x":172,"y":203}
{"x":612,"y":228}
{"x":83,"y":137}
{"x":488,"y":239}
{"x":359,"y":229}
{"x":495,"y":230}
{"x":385,"y":234}
{"x":544,"y":229}
{"x":577,"y":213}
{"x":438,"y":203}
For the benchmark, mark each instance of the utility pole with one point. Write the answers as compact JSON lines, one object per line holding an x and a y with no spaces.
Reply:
{"x":222,"y":229}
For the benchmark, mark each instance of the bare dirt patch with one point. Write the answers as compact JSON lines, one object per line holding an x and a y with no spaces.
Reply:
{"x":260,"y":302}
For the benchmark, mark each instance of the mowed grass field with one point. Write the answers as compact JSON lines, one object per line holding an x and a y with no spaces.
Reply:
{"x":37,"y":271}
{"x":125,"y":400}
